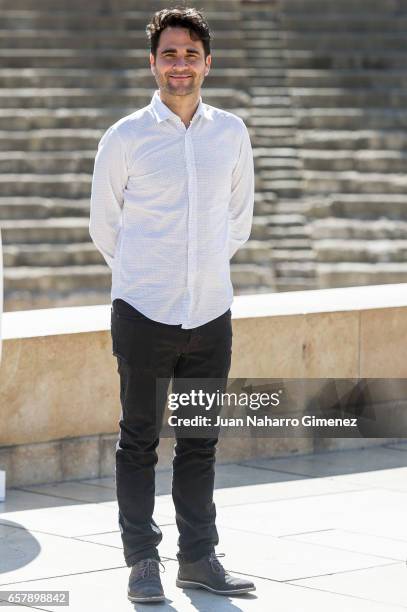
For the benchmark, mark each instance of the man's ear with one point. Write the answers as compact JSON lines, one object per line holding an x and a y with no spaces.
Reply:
{"x":208,"y":64}
{"x":152,"y":63}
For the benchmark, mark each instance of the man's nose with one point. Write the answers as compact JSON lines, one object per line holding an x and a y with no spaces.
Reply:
{"x":180,"y":62}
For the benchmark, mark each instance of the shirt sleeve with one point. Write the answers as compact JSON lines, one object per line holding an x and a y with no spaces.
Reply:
{"x":242,"y":196}
{"x":109,"y":180}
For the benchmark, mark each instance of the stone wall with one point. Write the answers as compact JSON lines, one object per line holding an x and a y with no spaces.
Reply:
{"x":59,"y":389}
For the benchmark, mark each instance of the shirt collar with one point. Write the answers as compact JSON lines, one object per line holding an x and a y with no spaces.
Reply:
{"x":162,"y":112}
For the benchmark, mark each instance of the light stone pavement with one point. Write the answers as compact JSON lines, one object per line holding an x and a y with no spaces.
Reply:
{"x":315,"y":532}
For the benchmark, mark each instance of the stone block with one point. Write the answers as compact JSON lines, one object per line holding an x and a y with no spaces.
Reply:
{"x":80,"y":457}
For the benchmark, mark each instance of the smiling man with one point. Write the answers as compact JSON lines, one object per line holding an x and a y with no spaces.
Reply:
{"x":172,"y":201}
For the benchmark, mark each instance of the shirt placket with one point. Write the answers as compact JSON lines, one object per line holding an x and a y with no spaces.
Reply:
{"x":192,"y":237}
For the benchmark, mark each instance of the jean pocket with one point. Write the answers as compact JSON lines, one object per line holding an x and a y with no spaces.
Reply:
{"x":133,"y":340}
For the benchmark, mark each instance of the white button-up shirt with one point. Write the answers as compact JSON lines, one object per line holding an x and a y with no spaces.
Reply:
{"x":170,"y":206}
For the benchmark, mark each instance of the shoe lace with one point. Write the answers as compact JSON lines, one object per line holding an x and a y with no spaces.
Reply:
{"x":216,"y":565}
{"x":149,"y":567}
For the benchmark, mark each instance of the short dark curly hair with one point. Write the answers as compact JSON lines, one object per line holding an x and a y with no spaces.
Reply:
{"x":183,"y":17}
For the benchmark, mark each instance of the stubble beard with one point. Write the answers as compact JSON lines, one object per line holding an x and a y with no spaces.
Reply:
{"x":180,"y":89}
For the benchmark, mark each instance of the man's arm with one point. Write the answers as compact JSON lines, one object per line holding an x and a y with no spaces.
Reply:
{"x":108,"y":183}
{"x":242,"y":196}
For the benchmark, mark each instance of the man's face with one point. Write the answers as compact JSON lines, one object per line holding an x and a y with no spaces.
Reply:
{"x":179,"y":67}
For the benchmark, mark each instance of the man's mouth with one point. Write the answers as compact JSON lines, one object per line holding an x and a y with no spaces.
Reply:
{"x":180,"y":78}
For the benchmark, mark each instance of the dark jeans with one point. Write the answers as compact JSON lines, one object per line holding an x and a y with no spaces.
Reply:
{"x":147,"y":350}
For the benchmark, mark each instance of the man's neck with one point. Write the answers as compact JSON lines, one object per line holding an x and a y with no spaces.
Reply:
{"x":183,"y":106}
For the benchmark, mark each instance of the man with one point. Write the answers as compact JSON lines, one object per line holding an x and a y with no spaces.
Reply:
{"x":172,"y":201}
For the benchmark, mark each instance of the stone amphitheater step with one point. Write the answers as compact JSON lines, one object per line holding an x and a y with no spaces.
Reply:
{"x":276,"y":121}
{"x":278,"y":163}
{"x":61,"y":118}
{"x":359,"y":161}
{"x":368,"y":251}
{"x":280,"y":241}
{"x":250,"y":289}
{"x":350,"y":118}
{"x":263,"y":22}
{"x":97,"y":97}
{"x":282,"y":187}
{"x":261,"y":207}
{"x":291,"y":255}
{"x":260,"y":230}
{"x":337,"y":41}
{"x":362,"y":206}
{"x":264,"y":49}
{"x":76,"y":58}
{"x":271,"y":152}
{"x":295,"y":284}
{"x":285,"y":234}
{"x":278,"y":96}
{"x":251,"y":274}
{"x":294,"y":269}
{"x":85,"y":253}
{"x":253,"y":252}
{"x":281,"y":175}
{"x":356,"y":78}
{"x":361,"y":22}
{"x":263,"y":113}
{"x":256,"y":46}
{"x":358,"y":229}
{"x":106,"y":6}
{"x":268,"y":100}
{"x":99,"y":39}
{"x":46,"y":255}
{"x":99,"y":59}
{"x":339,"y":58}
{"x":286,"y":220}
{"x":267,"y":196}
{"x":393,"y":139}
{"x":26,"y":208}
{"x":53,"y":231}
{"x":18,"y":78}
{"x":349,"y":274}
{"x":280,"y":137}
{"x":28,"y":300}
{"x":38,"y":141}
{"x":308,"y":97}
{"x":60,"y":279}
{"x":71,"y":278}
{"x":285,"y":206}
{"x":55,"y":162}
{"x":351,"y":182}
{"x":43,"y":185}
{"x":327,"y":7}
{"x":23,"y":299}
{"x":82,"y":20}
{"x":263,"y":46}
